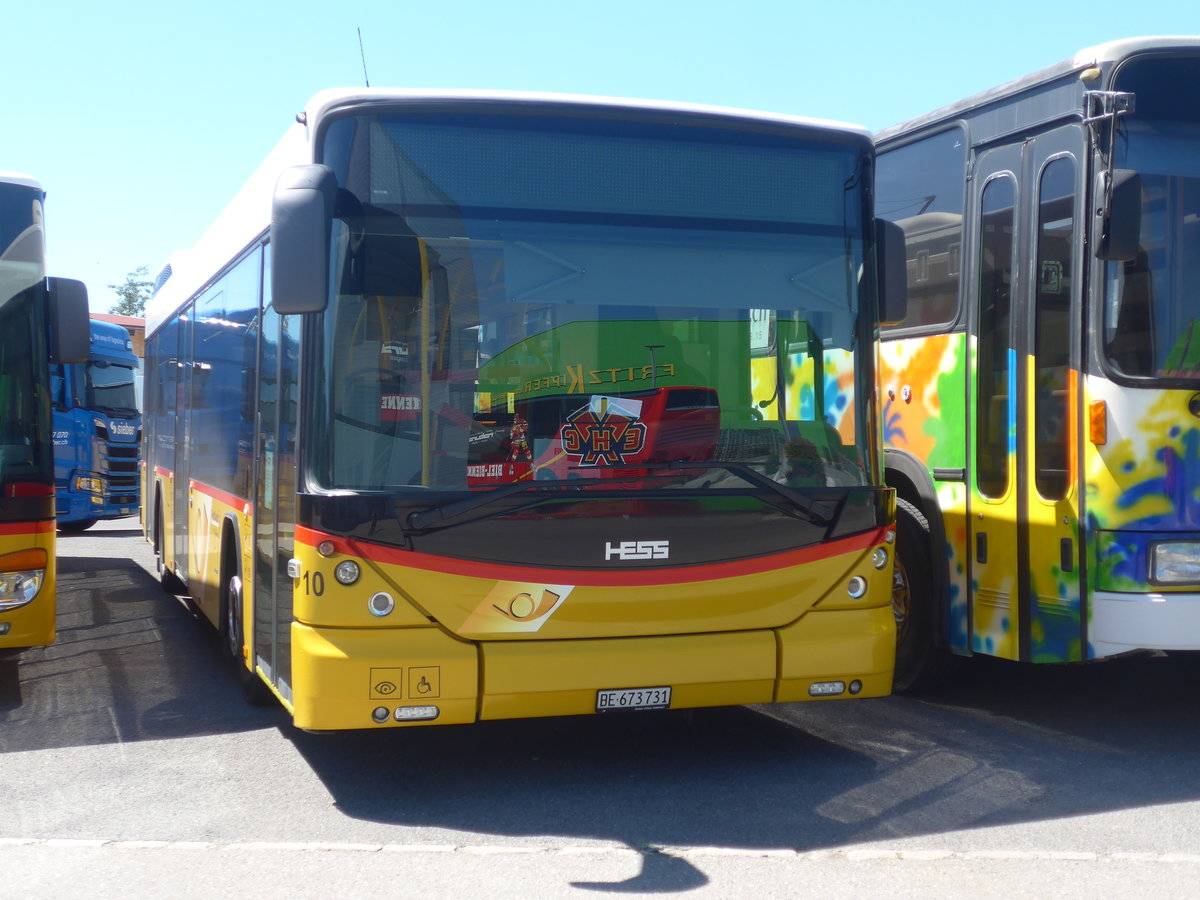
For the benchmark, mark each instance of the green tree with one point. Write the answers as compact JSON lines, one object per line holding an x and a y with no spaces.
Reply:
{"x":133,"y":294}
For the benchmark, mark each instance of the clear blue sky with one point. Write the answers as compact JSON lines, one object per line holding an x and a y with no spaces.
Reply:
{"x":142,"y":119}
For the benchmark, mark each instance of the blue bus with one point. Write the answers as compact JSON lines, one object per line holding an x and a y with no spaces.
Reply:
{"x":97,"y":429}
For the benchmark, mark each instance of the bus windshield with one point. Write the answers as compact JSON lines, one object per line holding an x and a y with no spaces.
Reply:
{"x":25,"y":460}
{"x":1150,"y":315}
{"x":540,"y":297}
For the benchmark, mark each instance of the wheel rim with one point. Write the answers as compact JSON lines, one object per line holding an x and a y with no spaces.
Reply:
{"x":901,"y":599}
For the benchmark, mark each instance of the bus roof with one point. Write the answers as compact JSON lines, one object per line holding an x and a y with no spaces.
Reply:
{"x":248,"y":214}
{"x":324,"y":102}
{"x":1098,"y":56}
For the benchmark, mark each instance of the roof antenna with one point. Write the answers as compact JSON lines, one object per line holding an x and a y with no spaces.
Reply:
{"x":364,"y":58}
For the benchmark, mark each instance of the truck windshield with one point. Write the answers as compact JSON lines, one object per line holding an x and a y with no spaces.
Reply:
{"x":1150,"y":311}
{"x":109,"y":387}
{"x":523,"y":297}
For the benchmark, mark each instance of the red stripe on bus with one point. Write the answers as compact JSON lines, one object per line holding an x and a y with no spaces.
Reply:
{"x":228,"y":499}
{"x":591,"y":577}
{"x":164,"y":472}
{"x":41,"y":527}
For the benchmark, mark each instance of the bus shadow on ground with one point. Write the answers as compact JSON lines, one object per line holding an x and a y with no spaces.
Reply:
{"x":1006,"y":744}
{"x":129,"y":663}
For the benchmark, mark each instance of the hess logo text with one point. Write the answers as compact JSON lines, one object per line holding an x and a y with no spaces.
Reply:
{"x":637,"y":550}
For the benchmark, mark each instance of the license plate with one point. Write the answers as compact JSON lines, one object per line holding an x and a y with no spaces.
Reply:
{"x":633,"y":698}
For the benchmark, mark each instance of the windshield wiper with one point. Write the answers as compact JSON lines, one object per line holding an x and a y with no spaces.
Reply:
{"x":424,"y":519}
{"x":429,"y":518}
{"x":820,"y":513}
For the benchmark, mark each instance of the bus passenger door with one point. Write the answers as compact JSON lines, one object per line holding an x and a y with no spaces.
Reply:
{"x":275,"y":496}
{"x":183,"y":451}
{"x":1024,"y":497}
{"x":993,"y":509}
{"x":1051,"y":321}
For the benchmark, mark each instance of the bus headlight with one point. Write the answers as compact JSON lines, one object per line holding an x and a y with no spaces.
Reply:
{"x":346,"y":572}
{"x":1176,"y":562}
{"x":21,"y":577}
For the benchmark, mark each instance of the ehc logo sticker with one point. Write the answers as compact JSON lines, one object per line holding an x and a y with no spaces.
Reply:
{"x":604,"y":432}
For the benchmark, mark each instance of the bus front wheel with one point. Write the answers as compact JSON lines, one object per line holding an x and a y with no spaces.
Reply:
{"x":253,"y":689}
{"x":920,"y":663}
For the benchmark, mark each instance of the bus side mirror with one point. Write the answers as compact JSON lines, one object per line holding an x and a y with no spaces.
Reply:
{"x":1121,"y":226}
{"x":67,"y":311}
{"x":301,"y":217}
{"x":892,"y":266}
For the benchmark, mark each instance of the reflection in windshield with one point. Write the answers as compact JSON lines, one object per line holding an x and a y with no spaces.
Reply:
{"x":493,"y":332}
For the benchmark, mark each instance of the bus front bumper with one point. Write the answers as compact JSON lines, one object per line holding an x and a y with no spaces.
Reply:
{"x":364,"y":678}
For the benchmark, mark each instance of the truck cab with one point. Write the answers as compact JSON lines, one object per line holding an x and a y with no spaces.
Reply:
{"x":97,"y":432}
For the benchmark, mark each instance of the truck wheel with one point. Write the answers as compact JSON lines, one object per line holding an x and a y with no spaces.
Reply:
{"x":77,"y":526}
{"x":920,"y":663}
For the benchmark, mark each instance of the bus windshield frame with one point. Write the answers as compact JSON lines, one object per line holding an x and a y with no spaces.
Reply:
{"x":26,"y":460}
{"x":591,"y":298}
{"x":1150,"y":326}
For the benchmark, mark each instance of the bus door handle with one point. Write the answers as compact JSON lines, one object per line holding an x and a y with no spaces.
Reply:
{"x":981,"y":546}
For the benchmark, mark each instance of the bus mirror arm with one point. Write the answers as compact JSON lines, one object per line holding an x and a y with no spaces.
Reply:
{"x":892,"y":267}
{"x":1119,"y":214}
{"x":301,"y":219}
{"x":67,"y":311}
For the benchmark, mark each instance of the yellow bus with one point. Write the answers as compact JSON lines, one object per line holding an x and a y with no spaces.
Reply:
{"x":478,"y":406}
{"x":39,"y":319}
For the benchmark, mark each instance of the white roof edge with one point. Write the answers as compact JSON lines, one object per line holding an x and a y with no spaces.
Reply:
{"x":323,"y":101}
{"x":1111,"y":51}
{"x":20,"y":178}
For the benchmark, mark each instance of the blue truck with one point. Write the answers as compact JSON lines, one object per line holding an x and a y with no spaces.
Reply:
{"x":97,"y":432}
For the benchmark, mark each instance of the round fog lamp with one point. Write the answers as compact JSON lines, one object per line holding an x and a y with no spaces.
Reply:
{"x":346,"y":572}
{"x":381,"y":604}
{"x":857,"y":586}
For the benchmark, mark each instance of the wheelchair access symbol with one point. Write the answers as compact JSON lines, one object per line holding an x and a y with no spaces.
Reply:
{"x":424,"y":683}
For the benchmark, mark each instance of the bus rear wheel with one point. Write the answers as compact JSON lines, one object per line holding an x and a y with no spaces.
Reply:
{"x":920,"y":663}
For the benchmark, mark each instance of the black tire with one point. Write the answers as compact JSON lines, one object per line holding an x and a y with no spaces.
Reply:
{"x":254,"y":691}
{"x":920,"y":663}
{"x":77,"y":526}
